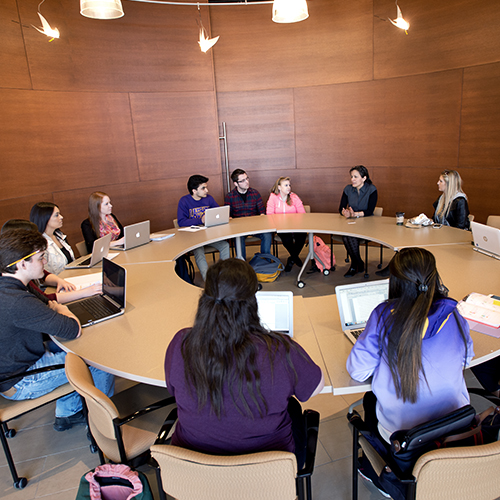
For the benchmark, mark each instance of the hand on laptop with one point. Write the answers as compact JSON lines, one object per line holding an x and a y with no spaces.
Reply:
{"x":117,"y":242}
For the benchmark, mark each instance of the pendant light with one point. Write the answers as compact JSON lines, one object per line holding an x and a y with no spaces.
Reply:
{"x":101,"y":9}
{"x":289,"y":11}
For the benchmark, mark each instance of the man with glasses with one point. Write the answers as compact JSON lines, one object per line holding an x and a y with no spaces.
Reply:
{"x":245,"y":202}
{"x":25,"y":319}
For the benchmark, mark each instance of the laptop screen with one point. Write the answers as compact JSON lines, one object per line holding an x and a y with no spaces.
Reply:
{"x":357,"y":301}
{"x":113,"y":281}
{"x":276,"y":311}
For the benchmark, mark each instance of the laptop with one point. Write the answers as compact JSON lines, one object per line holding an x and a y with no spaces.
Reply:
{"x":276,"y":311}
{"x":217,"y":216}
{"x":356,"y":302}
{"x":134,"y":235}
{"x":110,"y":303}
{"x":99,"y":251}
{"x":486,"y":239}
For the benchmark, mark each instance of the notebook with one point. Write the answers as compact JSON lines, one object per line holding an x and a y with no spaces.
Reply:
{"x":134,"y":235}
{"x":110,"y":303}
{"x":276,"y":311}
{"x":216,"y":216}
{"x":486,"y":239}
{"x":356,"y":302}
{"x":99,"y":251}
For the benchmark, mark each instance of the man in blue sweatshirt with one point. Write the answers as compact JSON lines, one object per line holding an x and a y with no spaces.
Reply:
{"x":191,"y":212}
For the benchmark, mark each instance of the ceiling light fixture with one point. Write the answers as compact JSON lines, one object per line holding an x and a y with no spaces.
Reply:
{"x":399,"y":22}
{"x":289,"y":11}
{"x":46,"y":28}
{"x":101,"y":9}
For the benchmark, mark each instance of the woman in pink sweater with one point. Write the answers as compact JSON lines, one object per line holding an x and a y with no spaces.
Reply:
{"x":283,"y":201}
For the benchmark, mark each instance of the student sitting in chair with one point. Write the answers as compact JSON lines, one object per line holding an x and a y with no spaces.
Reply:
{"x":25,"y":319}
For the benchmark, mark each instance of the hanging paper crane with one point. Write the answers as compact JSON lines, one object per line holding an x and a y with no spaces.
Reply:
{"x":46,"y":29}
{"x":399,"y":22}
{"x":205,"y":42}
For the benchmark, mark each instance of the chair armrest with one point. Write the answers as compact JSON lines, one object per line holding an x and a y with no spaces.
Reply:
{"x":312,"y":426}
{"x":32,"y":372}
{"x":166,"y":427}
{"x":119,"y":421}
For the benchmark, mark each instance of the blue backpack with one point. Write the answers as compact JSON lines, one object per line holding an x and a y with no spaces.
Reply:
{"x":267,"y":267}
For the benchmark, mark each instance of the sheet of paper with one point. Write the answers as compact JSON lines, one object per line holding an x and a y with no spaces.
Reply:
{"x":86,"y":280}
{"x":192,"y":229}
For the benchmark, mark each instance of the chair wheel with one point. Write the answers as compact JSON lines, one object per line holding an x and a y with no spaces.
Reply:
{"x":367,"y":275}
{"x":93,"y":448}
{"x":301,"y":284}
{"x":379,"y":266}
{"x":21,"y":484}
{"x":10,"y":433}
{"x":326,"y":272}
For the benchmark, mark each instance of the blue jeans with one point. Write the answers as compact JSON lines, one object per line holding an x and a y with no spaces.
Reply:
{"x":34,"y":386}
{"x":265,"y":244}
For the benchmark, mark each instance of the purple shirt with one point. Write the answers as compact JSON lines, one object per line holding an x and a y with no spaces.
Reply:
{"x":190,"y":211}
{"x":443,"y":358}
{"x":236,"y":432}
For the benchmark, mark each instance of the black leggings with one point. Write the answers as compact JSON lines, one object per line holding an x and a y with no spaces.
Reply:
{"x":352,"y":246}
{"x":294,"y":243}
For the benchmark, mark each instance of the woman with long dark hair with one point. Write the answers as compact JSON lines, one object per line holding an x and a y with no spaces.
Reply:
{"x":48,"y":219}
{"x":451,"y":208}
{"x":232,"y":379}
{"x":359,"y":199}
{"x":415,"y":345}
{"x":101,"y":221}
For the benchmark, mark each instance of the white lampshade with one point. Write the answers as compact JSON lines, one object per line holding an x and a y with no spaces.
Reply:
{"x":289,"y":11}
{"x":101,"y":9}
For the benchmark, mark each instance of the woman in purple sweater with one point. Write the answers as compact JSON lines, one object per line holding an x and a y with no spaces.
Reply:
{"x":234,"y":382}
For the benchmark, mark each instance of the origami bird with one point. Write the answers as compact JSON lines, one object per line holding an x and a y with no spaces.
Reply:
{"x":46,"y":29}
{"x":205,"y":42}
{"x":400,"y":22}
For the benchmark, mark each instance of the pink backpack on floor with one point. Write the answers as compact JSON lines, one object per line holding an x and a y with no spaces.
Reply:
{"x":322,"y":250}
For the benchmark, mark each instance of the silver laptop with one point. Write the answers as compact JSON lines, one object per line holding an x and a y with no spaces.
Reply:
{"x":134,"y":235}
{"x":276,"y":311}
{"x":486,"y":239}
{"x":99,"y":251}
{"x":110,"y":303}
{"x":217,"y":216}
{"x":356,"y":302}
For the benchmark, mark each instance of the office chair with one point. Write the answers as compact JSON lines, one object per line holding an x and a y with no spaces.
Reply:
{"x":277,"y":240}
{"x":493,"y":221}
{"x":125,"y":426}
{"x":10,"y":410}
{"x":81,"y":246}
{"x":460,"y":473}
{"x":208,"y":248}
{"x":269,"y":475}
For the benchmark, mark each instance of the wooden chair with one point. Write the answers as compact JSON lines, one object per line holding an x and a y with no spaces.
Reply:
{"x":10,"y":410}
{"x":493,"y":220}
{"x":460,"y":473}
{"x":270,"y":475}
{"x":126,"y":425}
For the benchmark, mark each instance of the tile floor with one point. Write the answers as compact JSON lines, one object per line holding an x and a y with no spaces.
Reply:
{"x":54,"y":462}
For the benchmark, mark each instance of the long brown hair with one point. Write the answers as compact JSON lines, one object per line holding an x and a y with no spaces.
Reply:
{"x":223,"y":344}
{"x":95,"y":201}
{"x":275,"y":189}
{"x":414,"y":285}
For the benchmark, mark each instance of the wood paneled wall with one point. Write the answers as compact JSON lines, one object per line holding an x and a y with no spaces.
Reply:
{"x":132,"y":107}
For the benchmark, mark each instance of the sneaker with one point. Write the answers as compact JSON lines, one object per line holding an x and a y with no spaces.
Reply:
{"x":382,"y":492}
{"x":65,"y":423}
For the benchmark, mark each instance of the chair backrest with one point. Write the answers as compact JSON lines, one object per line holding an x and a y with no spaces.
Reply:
{"x":493,"y":220}
{"x":81,"y":246}
{"x":307,"y":208}
{"x":101,"y":409}
{"x":176,"y":224}
{"x":190,"y":475}
{"x":378,"y":211}
{"x":460,"y":473}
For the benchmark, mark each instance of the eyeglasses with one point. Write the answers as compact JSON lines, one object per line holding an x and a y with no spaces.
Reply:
{"x":27,"y":257}
{"x":243,"y":180}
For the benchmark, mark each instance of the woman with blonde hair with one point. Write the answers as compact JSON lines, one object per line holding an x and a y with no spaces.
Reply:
{"x":101,"y":221}
{"x":283,"y":201}
{"x":451,"y":208}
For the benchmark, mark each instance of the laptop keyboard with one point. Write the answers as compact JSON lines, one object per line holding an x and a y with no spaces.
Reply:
{"x":97,"y":309}
{"x":85,"y":262}
{"x":356,"y":333}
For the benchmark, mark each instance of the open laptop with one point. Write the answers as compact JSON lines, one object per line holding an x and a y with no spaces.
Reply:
{"x":486,"y":239}
{"x":356,"y":302}
{"x":276,"y":311}
{"x":217,"y":216}
{"x":134,"y":235}
{"x":110,"y":303}
{"x":99,"y":251}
